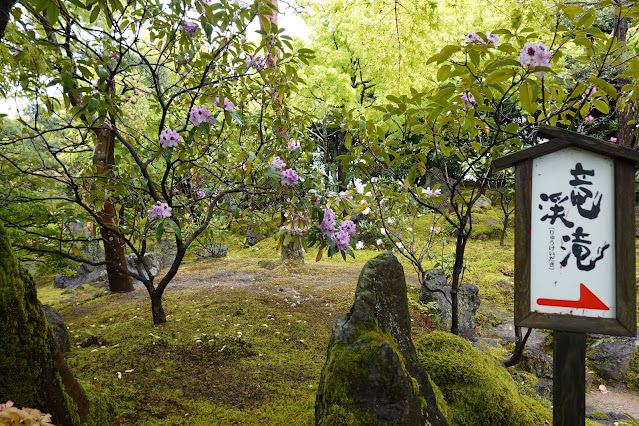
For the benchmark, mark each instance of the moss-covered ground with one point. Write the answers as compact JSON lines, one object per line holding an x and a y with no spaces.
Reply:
{"x":246,"y":336}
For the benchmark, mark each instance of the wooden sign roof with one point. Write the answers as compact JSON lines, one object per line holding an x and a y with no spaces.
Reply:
{"x":562,"y":138}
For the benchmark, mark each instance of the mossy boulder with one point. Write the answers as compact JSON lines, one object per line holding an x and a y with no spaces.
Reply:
{"x":477,"y":388}
{"x":372,"y":375}
{"x":29,"y":361}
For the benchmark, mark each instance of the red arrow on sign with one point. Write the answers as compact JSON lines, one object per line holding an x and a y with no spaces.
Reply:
{"x":587,"y":300}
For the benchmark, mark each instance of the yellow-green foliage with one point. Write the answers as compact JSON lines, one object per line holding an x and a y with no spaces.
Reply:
{"x":632,"y":377}
{"x":28,"y":372}
{"x":101,"y":409}
{"x":477,"y":388}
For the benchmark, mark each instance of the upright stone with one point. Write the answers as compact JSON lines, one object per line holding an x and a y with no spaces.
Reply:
{"x":372,"y":375}
{"x":30,"y":365}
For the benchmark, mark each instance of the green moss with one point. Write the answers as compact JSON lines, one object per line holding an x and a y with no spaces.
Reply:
{"x":441,"y":402}
{"x":101,"y":409}
{"x":477,"y":388}
{"x":632,"y":376}
{"x":27,"y":348}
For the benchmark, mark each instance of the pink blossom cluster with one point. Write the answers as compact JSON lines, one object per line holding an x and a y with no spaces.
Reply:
{"x":328,"y":223}
{"x":490,"y":39}
{"x":289,"y":177}
{"x":190,"y":28}
{"x":468,"y":99}
{"x":169,"y":138}
{"x":342,"y":238}
{"x":160,"y":210}
{"x":207,"y":2}
{"x":227,"y":104}
{"x":256,"y":61}
{"x":534,"y":55}
{"x":278,"y":164}
{"x":294,"y":144}
{"x":201,"y":194}
{"x":199,"y":114}
{"x":432,"y":193}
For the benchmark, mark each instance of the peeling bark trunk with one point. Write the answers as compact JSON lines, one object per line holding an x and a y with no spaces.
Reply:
{"x":103,"y":159}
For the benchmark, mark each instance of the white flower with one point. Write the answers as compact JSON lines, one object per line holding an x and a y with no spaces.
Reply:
{"x":359,"y":245}
{"x":367,"y":210}
{"x":379,"y":242}
{"x":391,"y":220}
{"x":409,"y":229}
{"x":383,"y":231}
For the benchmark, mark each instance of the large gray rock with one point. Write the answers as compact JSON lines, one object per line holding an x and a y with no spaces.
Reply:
{"x":60,"y":334}
{"x":538,"y":363}
{"x":165,"y":251}
{"x":436,"y":289}
{"x":218,"y":250}
{"x":134,"y":264}
{"x":372,"y":375}
{"x":252,"y":238}
{"x":85,"y":274}
{"x":610,"y":357}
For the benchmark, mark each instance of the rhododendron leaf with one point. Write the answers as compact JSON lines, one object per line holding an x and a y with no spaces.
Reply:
{"x":236,"y":117}
{"x":53,"y":11}
{"x":159,"y":231}
{"x":175,"y":227}
{"x":601,"y":106}
{"x":319,"y":256}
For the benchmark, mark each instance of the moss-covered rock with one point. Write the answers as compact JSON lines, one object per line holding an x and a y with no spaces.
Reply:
{"x":28,"y":352}
{"x":477,"y":388}
{"x":101,"y":408}
{"x":372,"y":375}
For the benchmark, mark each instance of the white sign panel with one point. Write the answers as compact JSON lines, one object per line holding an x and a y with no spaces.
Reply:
{"x":572,"y":265}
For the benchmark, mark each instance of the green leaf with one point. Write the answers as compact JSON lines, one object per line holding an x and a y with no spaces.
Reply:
{"x":93,"y":104}
{"x":601,"y":106}
{"x":159,"y":231}
{"x":237,"y":117}
{"x":443,"y":73}
{"x":53,"y":11}
{"x":94,"y":14}
{"x":602,"y":84}
{"x":498,"y":76}
{"x":175,"y":227}
{"x":525,"y":97}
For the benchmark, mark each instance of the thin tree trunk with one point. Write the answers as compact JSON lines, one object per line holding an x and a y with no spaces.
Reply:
{"x":103,"y":159}
{"x":157,"y":310}
{"x":625,"y":131}
{"x":289,"y":252}
{"x":520,"y":345}
{"x":503,"y":231}
{"x":460,"y":247}
{"x":5,"y":14}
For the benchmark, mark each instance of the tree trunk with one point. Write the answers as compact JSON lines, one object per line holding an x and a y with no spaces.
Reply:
{"x":103,"y":159}
{"x":159,"y":317}
{"x":503,"y":231}
{"x":625,"y":131}
{"x":30,"y":376}
{"x":5,"y":14}
{"x":462,"y":238}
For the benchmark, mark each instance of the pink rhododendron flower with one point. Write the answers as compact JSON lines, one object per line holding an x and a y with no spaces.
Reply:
{"x":613,"y":139}
{"x":341,"y":239}
{"x":492,"y":39}
{"x":199,"y":114}
{"x":430,"y":193}
{"x":468,"y":99}
{"x":590,"y":91}
{"x":472,"y":37}
{"x":201,"y":194}
{"x":227,"y":104}
{"x":278,"y":164}
{"x":160,"y":210}
{"x":207,"y":2}
{"x":190,"y":28}
{"x":349,"y":227}
{"x":256,"y":61}
{"x":113,"y":55}
{"x":379,"y":242}
{"x":435,"y":229}
{"x":589,"y":118}
{"x":328,"y":223}
{"x":534,"y":55}
{"x":169,"y":138}
{"x":294,"y":144}
{"x":289,"y":177}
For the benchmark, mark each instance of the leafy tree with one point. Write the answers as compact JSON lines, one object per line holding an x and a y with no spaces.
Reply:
{"x":141,"y":176}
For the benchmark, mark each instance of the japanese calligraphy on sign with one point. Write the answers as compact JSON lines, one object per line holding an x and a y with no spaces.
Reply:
{"x":572,"y":268}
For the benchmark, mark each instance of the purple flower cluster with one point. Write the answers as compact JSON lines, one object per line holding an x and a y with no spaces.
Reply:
{"x":169,"y":138}
{"x":468,"y":99}
{"x":199,"y":114}
{"x":201,"y":194}
{"x":328,"y":223}
{"x":227,"y":104}
{"x":256,"y":61}
{"x":534,"y":55}
{"x":490,"y":39}
{"x":190,"y":28}
{"x":342,"y":238}
{"x":160,"y":210}
{"x":294,"y":144}
{"x":289,"y":177}
{"x":278,"y":164}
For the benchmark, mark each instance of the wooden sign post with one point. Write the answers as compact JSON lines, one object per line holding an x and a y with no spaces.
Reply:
{"x":574,"y":250}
